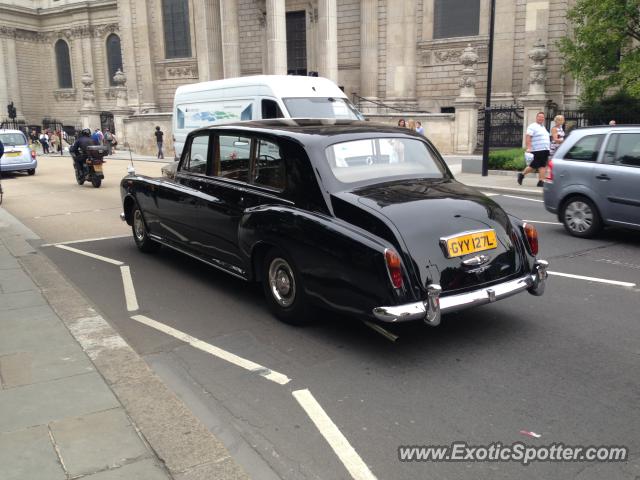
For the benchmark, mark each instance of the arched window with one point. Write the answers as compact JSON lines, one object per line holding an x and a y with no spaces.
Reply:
{"x":177,"y":39}
{"x":114,"y":56}
{"x":63,"y":62}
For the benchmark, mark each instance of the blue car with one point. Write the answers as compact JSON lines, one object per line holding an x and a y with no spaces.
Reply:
{"x":18,"y":156}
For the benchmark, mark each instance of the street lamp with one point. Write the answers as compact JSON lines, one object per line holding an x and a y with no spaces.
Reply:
{"x":487,"y":103}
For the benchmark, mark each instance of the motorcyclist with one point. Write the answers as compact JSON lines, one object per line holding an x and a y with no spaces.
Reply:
{"x":79,"y":148}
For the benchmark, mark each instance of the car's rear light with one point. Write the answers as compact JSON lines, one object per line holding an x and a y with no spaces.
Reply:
{"x":394,"y":267}
{"x":549,"y":171}
{"x":532,"y":237}
{"x":33,"y":154}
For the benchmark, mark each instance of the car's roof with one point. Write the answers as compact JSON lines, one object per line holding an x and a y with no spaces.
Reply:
{"x":313,"y":127}
{"x":7,"y":130}
{"x":606,"y":128}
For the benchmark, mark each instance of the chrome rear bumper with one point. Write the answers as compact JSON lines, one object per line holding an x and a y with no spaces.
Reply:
{"x":430,"y":310}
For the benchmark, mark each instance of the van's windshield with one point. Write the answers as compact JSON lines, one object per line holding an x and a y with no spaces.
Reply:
{"x":322,"y":107}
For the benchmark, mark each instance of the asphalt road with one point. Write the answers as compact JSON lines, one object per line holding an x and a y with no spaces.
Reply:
{"x":564,"y":366}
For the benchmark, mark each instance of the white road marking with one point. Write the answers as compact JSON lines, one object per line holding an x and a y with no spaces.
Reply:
{"x":490,"y":194}
{"x":340,"y":445}
{"x":523,"y":198}
{"x":593,"y":279}
{"x":215,"y":351}
{"x":71,"y":242}
{"x":544,"y":223}
{"x":129,"y":290}
{"x":92,"y":255}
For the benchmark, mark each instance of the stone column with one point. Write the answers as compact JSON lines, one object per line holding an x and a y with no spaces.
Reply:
{"x":206,"y":14}
{"x":143,"y":57}
{"x":9,"y":83}
{"x":89,"y":116}
{"x":401,"y":54}
{"x":122,"y":109}
{"x":128,"y":50}
{"x":276,"y":37}
{"x":467,"y":104}
{"x":231,"y":38}
{"x":369,"y":49}
{"x":536,"y":99}
{"x":328,"y":39}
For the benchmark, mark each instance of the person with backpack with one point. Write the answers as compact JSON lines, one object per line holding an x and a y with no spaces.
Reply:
{"x":108,"y":140}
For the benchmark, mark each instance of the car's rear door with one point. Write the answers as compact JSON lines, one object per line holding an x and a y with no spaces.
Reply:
{"x":618,"y":178}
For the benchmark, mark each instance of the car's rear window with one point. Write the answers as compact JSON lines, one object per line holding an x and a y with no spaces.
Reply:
{"x":13,"y":138}
{"x":382,"y":159}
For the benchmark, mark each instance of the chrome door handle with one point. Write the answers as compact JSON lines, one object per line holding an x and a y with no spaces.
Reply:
{"x":603,"y":176}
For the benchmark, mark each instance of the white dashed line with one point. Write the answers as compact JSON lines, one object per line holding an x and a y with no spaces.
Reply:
{"x":523,"y":198}
{"x":71,"y":242}
{"x":129,"y":290}
{"x":215,"y":351}
{"x":594,"y":279}
{"x":338,"y":442}
{"x":92,"y":255}
{"x":490,"y":194}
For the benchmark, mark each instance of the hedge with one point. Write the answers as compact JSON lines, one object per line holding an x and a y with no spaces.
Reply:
{"x":508,"y":159}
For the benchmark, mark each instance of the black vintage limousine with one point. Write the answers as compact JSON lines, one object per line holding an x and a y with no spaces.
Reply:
{"x":359,"y":218}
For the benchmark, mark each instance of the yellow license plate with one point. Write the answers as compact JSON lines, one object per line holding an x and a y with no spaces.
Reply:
{"x":471,"y":242}
{"x":13,"y":154}
{"x":97,"y":168}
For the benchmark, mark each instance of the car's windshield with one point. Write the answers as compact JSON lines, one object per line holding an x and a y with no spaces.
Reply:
{"x":322,"y":107}
{"x":13,"y":138}
{"x":382,"y":159}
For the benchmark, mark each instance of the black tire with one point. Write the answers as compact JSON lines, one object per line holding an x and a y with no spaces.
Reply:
{"x":31,"y":171}
{"x":580,"y":217}
{"x":79,"y":177}
{"x":96,"y":182}
{"x":140,"y":235}
{"x":283,"y":289}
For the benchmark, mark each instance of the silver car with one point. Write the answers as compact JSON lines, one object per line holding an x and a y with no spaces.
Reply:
{"x":593,"y":180}
{"x":17,"y":153}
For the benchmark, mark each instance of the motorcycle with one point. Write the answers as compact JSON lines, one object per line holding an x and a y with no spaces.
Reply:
{"x":92,"y":167}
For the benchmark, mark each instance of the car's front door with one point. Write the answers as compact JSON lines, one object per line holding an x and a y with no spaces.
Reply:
{"x":618,"y":178}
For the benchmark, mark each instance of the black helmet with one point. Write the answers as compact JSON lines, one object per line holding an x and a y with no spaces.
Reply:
{"x":86,"y":132}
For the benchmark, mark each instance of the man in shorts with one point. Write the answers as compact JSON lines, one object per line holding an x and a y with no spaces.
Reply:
{"x":538,"y":142}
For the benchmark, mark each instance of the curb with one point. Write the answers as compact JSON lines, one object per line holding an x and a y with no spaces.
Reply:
{"x":188,"y":450}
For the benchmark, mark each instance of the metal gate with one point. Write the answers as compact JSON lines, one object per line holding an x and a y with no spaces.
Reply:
{"x":106,"y":121}
{"x":506,"y":126}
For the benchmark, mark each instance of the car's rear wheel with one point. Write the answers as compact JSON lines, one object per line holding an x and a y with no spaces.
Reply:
{"x":31,"y":171}
{"x":140,"y":234}
{"x":283,"y":289}
{"x":580,"y":217}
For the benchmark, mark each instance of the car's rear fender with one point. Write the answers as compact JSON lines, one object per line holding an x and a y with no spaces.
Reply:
{"x":342,"y":266}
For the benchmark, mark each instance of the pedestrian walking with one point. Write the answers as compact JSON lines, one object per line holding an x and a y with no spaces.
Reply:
{"x":557,"y":134}
{"x":54,"y":140}
{"x":108,"y":140}
{"x":411,"y":125}
{"x":159,"y":140}
{"x":44,"y":141}
{"x":538,"y":142}
{"x":96,"y":136}
{"x":402,"y":123}
{"x":419,"y":127}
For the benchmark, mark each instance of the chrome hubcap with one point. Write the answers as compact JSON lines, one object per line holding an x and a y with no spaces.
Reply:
{"x":578,"y":216}
{"x":282,"y":282}
{"x":138,"y":225}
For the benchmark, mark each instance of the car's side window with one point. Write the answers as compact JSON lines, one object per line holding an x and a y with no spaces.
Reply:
{"x":270,"y":109}
{"x":586,"y":149}
{"x":624,"y":149}
{"x":234,"y":157}
{"x":268,"y":168}
{"x":196,"y":157}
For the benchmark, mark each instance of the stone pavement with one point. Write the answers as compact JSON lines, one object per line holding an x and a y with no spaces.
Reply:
{"x":75,"y":400}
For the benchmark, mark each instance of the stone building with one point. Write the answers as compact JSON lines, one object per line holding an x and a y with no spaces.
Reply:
{"x":59,"y":58}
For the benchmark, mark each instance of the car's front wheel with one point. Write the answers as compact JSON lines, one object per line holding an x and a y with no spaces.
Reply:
{"x":580,"y":217}
{"x":140,"y":234}
{"x":283,"y":289}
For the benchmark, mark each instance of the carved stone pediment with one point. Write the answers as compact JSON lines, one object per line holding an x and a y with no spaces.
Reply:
{"x":447,"y":51}
{"x":180,"y":69}
{"x":64,"y":94}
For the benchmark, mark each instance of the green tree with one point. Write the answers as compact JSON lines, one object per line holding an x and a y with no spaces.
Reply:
{"x":604,"y":54}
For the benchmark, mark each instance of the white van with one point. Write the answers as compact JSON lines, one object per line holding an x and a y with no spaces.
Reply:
{"x":256,"y":97}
